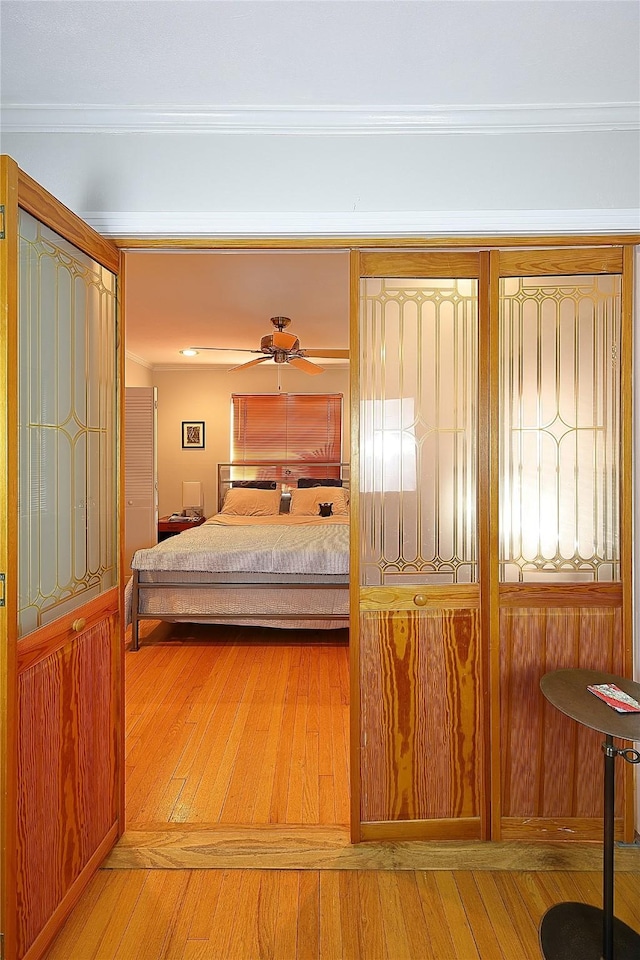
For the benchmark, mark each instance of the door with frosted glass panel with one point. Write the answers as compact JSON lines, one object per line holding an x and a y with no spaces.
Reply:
{"x":418,"y":644}
{"x":565,"y":526}
{"x":62,"y":659}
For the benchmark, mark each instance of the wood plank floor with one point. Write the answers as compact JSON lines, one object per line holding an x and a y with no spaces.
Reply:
{"x":235,"y":725}
{"x":299,"y":915}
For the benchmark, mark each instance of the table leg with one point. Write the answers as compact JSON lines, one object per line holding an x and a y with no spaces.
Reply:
{"x":578,"y":931}
{"x":607,"y":860}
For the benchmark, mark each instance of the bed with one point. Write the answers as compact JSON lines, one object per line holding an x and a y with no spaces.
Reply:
{"x":275,"y":554}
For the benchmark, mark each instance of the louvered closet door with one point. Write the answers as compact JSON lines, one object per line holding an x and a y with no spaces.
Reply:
{"x":564,"y":552}
{"x":140,"y":470}
{"x":418,"y":646}
{"x":61,"y":640}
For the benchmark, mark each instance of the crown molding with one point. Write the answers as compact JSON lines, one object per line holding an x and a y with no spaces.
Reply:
{"x":318,"y":120}
{"x":354,"y":223}
{"x":139,"y":360}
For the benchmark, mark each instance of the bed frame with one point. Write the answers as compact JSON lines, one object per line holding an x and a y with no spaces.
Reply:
{"x":285,"y":473}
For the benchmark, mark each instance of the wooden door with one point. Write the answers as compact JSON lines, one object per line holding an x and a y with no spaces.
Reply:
{"x":61,"y":644}
{"x":419,"y":663}
{"x":562,"y":391}
{"x":491,"y":537}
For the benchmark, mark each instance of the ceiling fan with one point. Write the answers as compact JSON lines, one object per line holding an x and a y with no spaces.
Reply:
{"x":283,"y":347}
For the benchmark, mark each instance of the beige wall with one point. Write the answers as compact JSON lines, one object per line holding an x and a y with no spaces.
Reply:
{"x":137,"y":374}
{"x":205,"y":394}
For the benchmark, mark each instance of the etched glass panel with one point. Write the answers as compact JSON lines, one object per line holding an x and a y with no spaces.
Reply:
{"x":418,"y":411}
{"x":560,"y":429}
{"x":67,"y":536}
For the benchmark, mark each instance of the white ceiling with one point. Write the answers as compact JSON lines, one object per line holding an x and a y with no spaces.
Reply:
{"x":319,"y":52}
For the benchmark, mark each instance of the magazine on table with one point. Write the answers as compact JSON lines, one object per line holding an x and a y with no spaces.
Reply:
{"x":614,"y":697}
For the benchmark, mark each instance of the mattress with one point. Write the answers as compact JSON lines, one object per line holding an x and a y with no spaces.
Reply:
{"x":285,"y":568}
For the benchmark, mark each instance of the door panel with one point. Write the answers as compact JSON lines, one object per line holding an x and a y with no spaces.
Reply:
{"x":67,"y":532}
{"x":67,"y":799}
{"x":552,"y":766}
{"x":564,"y":579}
{"x":420,"y":715}
{"x":63,"y":756}
{"x":419,"y":646}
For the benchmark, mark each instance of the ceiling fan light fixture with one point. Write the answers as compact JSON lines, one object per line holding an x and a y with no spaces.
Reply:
{"x":281,"y":347}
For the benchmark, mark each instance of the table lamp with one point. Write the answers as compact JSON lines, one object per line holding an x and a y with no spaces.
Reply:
{"x":192,"y":501}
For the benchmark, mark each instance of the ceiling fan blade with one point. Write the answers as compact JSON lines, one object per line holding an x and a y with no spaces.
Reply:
{"x":283,"y":341}
{"x":305,"y":365}
{"x":228,"y":349}
{"x":329,"y":353}
{"x":251,"y":363}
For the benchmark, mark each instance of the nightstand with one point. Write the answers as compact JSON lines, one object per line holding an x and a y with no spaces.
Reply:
{"x":169,"y":528}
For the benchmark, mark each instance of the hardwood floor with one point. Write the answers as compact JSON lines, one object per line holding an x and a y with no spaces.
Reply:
{"x":237,"y":726}
{"x":237,"y":846}
{"x":299,"y":915}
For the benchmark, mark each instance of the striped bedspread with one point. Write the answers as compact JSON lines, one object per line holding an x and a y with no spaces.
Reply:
{"x":274,"y":545}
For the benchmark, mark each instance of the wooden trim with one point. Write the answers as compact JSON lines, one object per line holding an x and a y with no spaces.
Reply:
{"x":184,"y":846}
{"x":56,"y":921}
{"x":354,"y":547}
{"x":47,"y":640}
{"x":456,"y":597}
{"x":493,"y":641}
{"x":363,"y":242}
{"x":484,"y":530}
{"x":44,"y":207}
{"x":407,"y":264}
{"x":626,"y":502}
{"x":550,"y":829}
{"x":9,"y":253}
{"x":123,"y":562}
{"x":536,"y":263}
{"x":561,"y":595}
{"x":462,"y":828}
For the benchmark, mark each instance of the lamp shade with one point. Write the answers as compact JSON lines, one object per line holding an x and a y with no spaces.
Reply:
{"x":191,"y":493}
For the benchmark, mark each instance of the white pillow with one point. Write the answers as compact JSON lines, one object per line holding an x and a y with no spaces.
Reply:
{"x":305,"y":501}
{"x":249,"y":502}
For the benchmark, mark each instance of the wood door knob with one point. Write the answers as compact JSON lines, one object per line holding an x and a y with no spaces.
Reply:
{"x":79,"y":624}
{"x":420,"y":600}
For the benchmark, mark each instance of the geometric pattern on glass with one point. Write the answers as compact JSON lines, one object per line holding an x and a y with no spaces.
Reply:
{"x":559,"y":429}
{"x":67,"y":533}
{"x":418,"y":425}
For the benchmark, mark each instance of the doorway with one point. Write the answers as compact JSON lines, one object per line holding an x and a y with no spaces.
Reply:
{"x":227,"y":724}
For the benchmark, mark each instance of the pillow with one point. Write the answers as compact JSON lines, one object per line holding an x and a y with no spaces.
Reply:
{"x":249,"y":502}
{"x":255,"y":484}
{"x":305,"y":502}
{"x":312,"y":482}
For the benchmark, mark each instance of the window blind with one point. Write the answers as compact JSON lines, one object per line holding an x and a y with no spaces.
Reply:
{"x":288,"y":426}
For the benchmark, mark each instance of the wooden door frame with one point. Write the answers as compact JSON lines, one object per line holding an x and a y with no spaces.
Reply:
{"x":489,"y":248}
{"x":21,"y":192}
{"x":8,"y":537}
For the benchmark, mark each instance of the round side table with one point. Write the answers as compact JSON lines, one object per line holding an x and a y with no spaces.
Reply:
{"x":578,"y":931}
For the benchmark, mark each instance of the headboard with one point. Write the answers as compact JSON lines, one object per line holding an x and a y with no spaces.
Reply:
{"x":280,"y":473}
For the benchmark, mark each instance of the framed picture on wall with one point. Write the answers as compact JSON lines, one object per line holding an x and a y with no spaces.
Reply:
{"x":193,"y":434}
